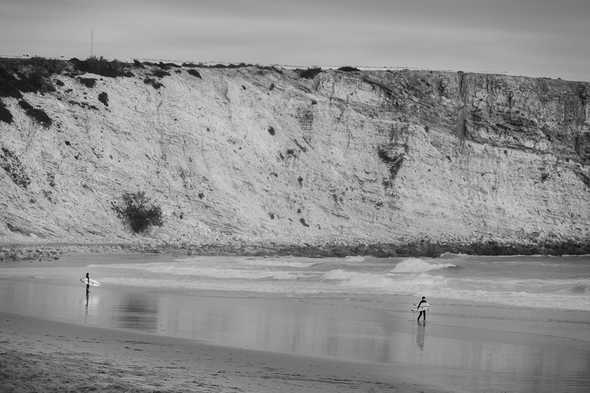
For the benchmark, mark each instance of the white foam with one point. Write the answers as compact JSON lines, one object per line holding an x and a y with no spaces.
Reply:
{"x":384,"y":283}
{"x":277,"y":263}
{"x":354,"y":258}
{"x":411,"y":276}
{"x":417,"y":265}
{"x":195,"y":270}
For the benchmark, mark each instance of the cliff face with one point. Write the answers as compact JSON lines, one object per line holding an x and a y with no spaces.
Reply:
{"x":261,"y":154}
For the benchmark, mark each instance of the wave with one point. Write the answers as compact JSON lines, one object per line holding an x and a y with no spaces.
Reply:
{"x":354,"y":258}
{"x":417,"y":265}
{"x":557,"y":293}
{"x":449,"y":255}
{"x":277,"y":263}
{"x":385,"y":283}
{"x":193,"y":270}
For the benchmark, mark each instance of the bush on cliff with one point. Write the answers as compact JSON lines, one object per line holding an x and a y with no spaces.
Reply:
{"x":5,"y":114}
{"x":348,"y":69}
{"x":195,"y":73}
{"x":38,"y":115}
{"x":138,"y":211}
{"x":309,"y":73}
{"x":104,"y":98}
{"x":10,"y":162}
{"x":101,"y":66}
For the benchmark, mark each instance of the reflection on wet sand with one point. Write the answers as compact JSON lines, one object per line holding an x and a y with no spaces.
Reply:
{"x":420,"y":332}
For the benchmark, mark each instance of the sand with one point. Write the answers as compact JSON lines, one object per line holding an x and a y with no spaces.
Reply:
{"x":43,"y":356}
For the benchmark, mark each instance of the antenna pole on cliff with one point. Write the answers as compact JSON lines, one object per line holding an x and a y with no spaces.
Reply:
{"x":92,"y":42}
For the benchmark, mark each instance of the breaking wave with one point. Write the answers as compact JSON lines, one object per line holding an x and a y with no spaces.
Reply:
{"x":417,"y":265}
{"x":177,"y":269}
{"x":277,"y":263}
{"x":521,"y":282}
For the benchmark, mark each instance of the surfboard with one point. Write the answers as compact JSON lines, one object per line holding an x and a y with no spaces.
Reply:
{"x":93,"y":283}
{"x":424,"y":307}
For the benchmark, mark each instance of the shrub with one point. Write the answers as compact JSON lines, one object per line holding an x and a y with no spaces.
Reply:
{"x":88,"y":82}
{"x":101,"y":66}
{"x":138,"y":211}
{"x":160,"y":73}
{"x":393,"y":161}
{"x":38,"y":115}
{"x":104,"y":98}
{"x":49,"y":66}
{"x":15,"y":81}
{"x":310,"y":73}
{"x":348,"y":69}
{"x":194,"y":73}
{"x":5,"y":114}
{"x":151,"y":81}
{"x":137,"y":64}
{"x":14,"y":168}
{"x":8,"y":84}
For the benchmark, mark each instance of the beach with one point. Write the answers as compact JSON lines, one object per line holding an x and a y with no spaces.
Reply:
{"x":162,"y":323}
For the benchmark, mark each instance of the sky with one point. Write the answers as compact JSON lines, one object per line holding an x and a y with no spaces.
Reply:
{"x":521,"y":37}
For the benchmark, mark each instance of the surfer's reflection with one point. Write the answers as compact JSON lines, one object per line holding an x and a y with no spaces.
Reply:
{"x":86,"y":304}
{"x":420,"y":333}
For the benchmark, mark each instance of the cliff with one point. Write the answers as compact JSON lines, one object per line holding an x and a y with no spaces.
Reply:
{"x":295,"y":157}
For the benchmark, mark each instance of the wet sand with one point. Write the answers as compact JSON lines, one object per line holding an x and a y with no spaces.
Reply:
{"x":40,"y":355}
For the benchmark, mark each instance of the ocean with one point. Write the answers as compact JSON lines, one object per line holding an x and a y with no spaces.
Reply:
{"x":529,"y":281}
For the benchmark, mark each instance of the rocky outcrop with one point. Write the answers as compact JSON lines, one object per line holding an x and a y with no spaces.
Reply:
{"x":294,"y":157}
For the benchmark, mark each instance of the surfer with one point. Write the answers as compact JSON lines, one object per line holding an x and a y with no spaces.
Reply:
{"x":87,"y":285}
{"x":421,"y":308}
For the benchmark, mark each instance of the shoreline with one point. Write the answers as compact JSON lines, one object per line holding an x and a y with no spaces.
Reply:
{"x":13,"y":252}
{"x":53,"y":356}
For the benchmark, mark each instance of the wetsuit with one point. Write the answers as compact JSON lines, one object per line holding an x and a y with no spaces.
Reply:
{"x":421,"y":313}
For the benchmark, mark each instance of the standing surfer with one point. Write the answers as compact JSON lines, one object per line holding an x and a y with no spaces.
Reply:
{"x":421,"y":308}
{"x":87,"y":287}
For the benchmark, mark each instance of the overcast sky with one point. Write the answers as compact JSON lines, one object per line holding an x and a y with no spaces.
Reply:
{"x":524,"y":37}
